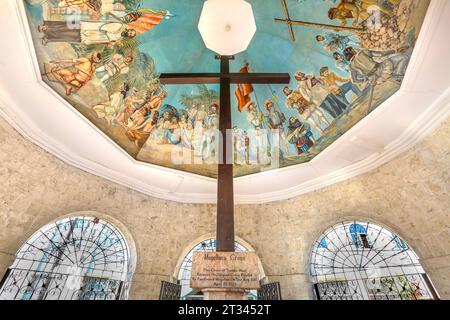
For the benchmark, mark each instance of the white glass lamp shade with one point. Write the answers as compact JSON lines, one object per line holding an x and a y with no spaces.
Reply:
{"x":227,"y":26}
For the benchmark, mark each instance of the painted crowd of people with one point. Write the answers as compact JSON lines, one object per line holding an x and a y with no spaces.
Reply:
{"x":320,"y":100}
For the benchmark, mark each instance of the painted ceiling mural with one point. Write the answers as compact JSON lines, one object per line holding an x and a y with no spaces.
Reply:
{"x":104,"y":57}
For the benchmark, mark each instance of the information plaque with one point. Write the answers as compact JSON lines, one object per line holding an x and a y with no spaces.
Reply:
{"x":228,"y":270}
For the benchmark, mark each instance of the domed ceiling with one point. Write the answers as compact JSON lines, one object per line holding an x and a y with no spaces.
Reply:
{"x":104,"y":57}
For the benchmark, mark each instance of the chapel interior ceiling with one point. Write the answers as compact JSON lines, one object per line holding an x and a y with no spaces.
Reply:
{"x":104,"y":57}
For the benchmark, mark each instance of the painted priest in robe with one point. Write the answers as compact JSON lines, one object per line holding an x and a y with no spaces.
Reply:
{"x":87,"y":33}
{"x":73,"y":73}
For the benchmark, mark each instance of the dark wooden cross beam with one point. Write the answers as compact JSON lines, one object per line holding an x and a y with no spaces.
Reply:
{"x":291,"y":22}
{"x":225,"y":192}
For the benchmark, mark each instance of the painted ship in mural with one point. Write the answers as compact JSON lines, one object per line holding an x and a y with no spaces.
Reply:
{"x":104,"y":57}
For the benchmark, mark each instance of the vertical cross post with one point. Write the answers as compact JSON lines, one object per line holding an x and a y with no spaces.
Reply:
{"x":225,"y":193}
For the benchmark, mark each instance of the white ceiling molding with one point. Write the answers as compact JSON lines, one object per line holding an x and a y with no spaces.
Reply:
{"x":44,"y":118}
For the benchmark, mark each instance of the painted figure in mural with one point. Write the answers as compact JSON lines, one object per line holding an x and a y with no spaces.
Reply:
{"x":202,"y":113}
{"x":345,"y":10}
{"x":118,"y":65}
{"x":187,"y":131}
{"x":356,"y":9}
{"x":113,"y":7}
{"x":341,"y":63}
{"x":95,"y":5}
{"x":138,"y":118}
{"x":58,"y":31}
{"x":87,"y":33}
{"x":261,"y":146}
{"x":172,"y":131}
{"x":156,"y":101}
{"x":70,"y":10}
{"x":246,"y":147}
{"x":109,"y":110}
{"x":129,"y":107}
{"x":300,"y":135}
{"x":377,"y":67}
{"x":275,"y":121}
{"x":295,"y":100}
{"x":211,"y":123}
{"x":243,"y":91}
{"x":336,"y":42}
{"x":74,"y":73}
{"x":314,"y":92}
{"x":157,"y":134}
{"x":330,"y":80}
{"x":256,"y":119}
{"x":144,"y":20}
{"x":150,"y":123}
{"x":239,"y":146}
{"x":197,"y":115}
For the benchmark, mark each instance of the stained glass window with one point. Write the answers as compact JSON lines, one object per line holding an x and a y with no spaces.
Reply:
{"x":76,"y":258}
{"x":357,"y":260}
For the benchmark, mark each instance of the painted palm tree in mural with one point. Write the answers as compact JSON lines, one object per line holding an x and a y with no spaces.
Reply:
{"x":205,"y":97}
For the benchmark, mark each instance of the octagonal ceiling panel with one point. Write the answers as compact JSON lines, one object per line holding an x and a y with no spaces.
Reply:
{"x":345,"y":59}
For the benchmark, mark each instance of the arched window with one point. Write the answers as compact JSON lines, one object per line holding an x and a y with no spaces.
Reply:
{"x":184,"y":274}
{"x":76,"y":258}
{"x":362,"y":261}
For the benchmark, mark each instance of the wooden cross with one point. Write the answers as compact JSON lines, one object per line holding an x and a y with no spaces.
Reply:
{"x":225,"y":193}
{"x":291,"y":22}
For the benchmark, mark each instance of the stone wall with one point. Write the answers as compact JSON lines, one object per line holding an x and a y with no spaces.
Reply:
{"x":410,"y":195}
